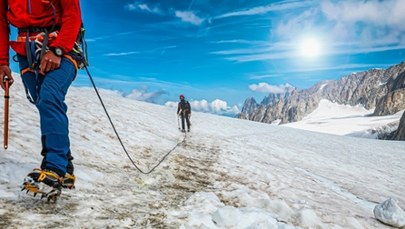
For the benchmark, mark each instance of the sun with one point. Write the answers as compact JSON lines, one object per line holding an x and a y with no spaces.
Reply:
{"x":310,"y":48}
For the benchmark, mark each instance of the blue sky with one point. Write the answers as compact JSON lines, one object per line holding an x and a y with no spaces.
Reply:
{"x":219,"y":52}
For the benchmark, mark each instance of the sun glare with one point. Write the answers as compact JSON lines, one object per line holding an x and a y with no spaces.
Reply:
{"x":310,"y":48}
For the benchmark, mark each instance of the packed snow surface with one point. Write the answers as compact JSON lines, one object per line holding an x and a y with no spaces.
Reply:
{"x":225,"y":173}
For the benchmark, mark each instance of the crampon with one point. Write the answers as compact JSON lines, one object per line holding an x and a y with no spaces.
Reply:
{"x":44,"y":183}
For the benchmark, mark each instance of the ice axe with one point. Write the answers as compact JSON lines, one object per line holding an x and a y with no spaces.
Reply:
{"x":178,"y":121}
{"x":6,"y":105}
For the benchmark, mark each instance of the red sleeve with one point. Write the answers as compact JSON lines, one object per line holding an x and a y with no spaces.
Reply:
{"x":4,"y":33}
{"x":70,"y":26}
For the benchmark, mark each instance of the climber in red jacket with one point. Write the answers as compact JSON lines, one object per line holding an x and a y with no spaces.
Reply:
{"x":45,"y":48}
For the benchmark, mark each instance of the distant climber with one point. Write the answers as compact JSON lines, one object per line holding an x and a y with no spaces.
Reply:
{"x":184,"y":111}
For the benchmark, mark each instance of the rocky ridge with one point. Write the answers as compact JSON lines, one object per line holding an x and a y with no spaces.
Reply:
{"x":380,"y":89}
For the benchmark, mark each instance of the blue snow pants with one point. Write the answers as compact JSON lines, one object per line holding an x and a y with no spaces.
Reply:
{"x":48,"y":94}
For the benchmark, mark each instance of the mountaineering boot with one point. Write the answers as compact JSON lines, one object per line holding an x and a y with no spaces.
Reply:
{"x":69,"y":181}
{"x":44,"y":182}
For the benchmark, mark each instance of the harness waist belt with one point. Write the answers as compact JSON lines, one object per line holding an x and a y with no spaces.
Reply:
{"x":38,"y":29}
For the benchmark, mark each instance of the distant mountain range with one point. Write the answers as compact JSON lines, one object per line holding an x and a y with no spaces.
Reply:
{"x":381,"y":89}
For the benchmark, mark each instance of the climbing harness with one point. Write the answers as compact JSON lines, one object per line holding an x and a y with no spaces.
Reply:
{"x":36,"y":45}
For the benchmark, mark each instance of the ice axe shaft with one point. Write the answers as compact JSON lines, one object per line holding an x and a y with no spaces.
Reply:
{"x":178,"y":121}
{"x":6,"y":105}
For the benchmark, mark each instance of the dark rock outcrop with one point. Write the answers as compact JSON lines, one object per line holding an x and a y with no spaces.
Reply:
{"x":399,"y":134}
{"x":248,"y":108}
{"x":394,"y":100}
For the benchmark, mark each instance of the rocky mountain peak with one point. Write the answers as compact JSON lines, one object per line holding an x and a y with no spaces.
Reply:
{"x":382,"y":89}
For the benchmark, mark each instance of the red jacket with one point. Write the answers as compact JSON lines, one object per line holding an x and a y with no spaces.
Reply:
{"x":39,"y":13}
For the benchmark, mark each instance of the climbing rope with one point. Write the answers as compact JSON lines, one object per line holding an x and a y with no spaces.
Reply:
{"x":119,"y":138}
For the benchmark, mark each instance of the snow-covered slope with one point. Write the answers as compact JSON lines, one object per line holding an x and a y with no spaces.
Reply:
{"x":228,"y":173}
{"x":333,"y":118}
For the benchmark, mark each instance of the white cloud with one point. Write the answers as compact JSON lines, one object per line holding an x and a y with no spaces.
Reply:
{"x":240,"y":41}
{"x":264,"y":76}
{"x":379,"y":13}
{"x":145,"y":95}
{"x":143,"y":7}
{"x":263,"y":56}
{"x":131,"y":6}
{"x":275,"y":50}
{"x":121,"y":54}
{"x":290,"y":28}
{"x":201,"y":105}
{"x":189,"y":16}
{"x":336,"y":67}
{"x":368,"y":21}
{"x":342,"y":49}
{"x":171,"y":104}
{"x":342,"y":27}
{"x":185,"y":16}
{"x":265,"y":9}
{"x":217,"y":106}
{"x":267,"y":88}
